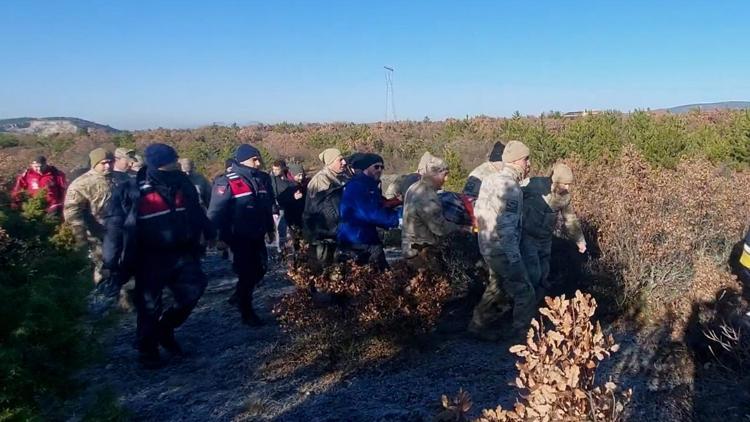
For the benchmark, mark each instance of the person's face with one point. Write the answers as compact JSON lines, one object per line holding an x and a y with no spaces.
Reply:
{"x":253,"y":162}
{"x":338,"y":165}
{"x":562,"y":188}
{"x":298,"y":178}
{"x":187,"y":168}
{"x":37,"y":167}
{"x":439,"y":179}
{"x":524,"y":164}
{"x":276,"y":170}
{"x":136,"y":166}
{"x":104,"y":166}
{"x":375,"y":171}
{"x":123,"y":164}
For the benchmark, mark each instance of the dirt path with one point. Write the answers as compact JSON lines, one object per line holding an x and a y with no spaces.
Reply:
{"x":223,"y":378}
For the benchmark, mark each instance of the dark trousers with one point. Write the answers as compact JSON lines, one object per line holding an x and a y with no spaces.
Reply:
{"x":366,"y":255}
{"x":182,"y":274}
{"x":250,"y":264}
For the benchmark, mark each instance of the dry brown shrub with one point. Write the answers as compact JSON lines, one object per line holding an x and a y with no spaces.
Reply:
{"x":556,"y":373}
{"x":657,"y":229}
{"x":369,"y":315}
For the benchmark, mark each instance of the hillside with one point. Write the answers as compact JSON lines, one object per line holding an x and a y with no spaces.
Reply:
{"x":47,"y":126}
{"x":724,"y":105}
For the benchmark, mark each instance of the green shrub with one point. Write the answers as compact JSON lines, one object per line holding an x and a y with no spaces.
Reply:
{"x":43,"y":284}
{"x":7,"y":141}
{"x":594,"y":137}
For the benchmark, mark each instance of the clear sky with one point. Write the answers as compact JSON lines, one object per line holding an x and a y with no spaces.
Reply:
{"x":141,"y":64}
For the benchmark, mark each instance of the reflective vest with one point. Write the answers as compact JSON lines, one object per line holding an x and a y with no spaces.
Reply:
{"x":152,"y":204}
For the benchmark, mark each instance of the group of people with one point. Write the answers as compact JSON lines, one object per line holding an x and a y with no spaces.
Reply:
{"x":151,"y":219}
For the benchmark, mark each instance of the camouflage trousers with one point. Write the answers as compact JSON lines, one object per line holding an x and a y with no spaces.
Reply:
{"x":97,"y":258}
{"x":507,"y":280}
{"x":536,"y":255}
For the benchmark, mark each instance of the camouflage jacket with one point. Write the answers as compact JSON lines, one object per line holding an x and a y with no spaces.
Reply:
{"x":424,"y":222}
{"x":85,"y":204}
{"x":542,"y":208}
{"x":474,"y":183}
{"x":498,"y":211}
{"x":323,"y":180}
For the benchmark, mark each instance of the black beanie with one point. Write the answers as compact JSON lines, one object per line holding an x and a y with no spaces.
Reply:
{"x":366,"y":160}
{"x":159,"y":155}
{"x":40,"y":160}
{"x":246,"y":152}
{"x":497,"y":152}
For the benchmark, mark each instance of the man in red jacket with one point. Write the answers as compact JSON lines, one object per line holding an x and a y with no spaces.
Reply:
{"x":40,"y":176}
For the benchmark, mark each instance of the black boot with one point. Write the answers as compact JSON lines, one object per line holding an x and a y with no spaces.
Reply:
{"x":168,"y":342}
{"x":250,"y":318}
{"x":150,"y":359}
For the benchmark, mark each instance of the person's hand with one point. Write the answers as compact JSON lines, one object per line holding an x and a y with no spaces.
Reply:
{"x":298,"y":195}
{"x":581,"y":247}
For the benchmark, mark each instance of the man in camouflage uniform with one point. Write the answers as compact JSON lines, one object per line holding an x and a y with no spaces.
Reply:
{"x":333,"y":174}
{"x":498,"y":211}
{"x":122,"y":168}
{"x":85,"y":205}
{"x":423,"y":220}
{"x":492,"y":166}
{"x":545,"y":200}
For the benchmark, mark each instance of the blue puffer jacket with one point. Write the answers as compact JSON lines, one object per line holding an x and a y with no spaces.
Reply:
{"x":361,"y":211}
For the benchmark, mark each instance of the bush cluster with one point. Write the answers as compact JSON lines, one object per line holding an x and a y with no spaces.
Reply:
{"x":399,"y":302}
{"x":556,"y":374}
{"x":661,"y":233}
{"x":662,"y":139}
{"x":43,"y":285}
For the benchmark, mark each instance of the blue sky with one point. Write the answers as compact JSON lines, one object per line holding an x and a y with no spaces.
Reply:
{"x":142,"y":64}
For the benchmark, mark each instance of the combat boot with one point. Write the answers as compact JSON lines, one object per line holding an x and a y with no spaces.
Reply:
{"x":150,"y":358}
{"x":168,"y":342}
{"x":249,"y":317}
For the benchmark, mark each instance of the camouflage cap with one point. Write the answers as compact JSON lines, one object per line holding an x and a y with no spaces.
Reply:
{"x":124,"y":153}
{"x":562,"y":174}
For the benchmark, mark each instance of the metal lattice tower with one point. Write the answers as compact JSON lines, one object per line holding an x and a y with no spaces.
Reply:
{"x":390,"y":102}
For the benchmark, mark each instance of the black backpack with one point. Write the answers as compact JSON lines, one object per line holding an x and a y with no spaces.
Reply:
{"x":321,"y":216}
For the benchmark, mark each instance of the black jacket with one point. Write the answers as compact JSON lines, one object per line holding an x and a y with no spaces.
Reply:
{"x":150,"y":216}
{"x":242,"y":204}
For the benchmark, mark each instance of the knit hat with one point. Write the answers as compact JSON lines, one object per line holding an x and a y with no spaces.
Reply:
{"x":562,"y":174}
{"x":124,"y":153}
{"x":429,"y":164}
{"x":159,"y":155}
{"x":329,"y":155}
{"x":497,"y":152}
{"x":515,"y":150}
{"x":295,"y":169}
{"x":40,"y":159}
{"x":245,"y":152}
{"x":98,"y":155}
{"x":366,"y":161}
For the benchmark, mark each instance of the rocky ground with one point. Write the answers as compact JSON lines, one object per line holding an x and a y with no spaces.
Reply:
{"x":226,"y":376}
